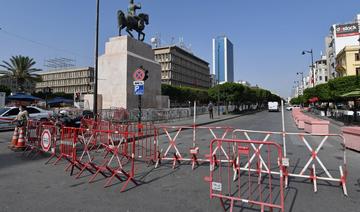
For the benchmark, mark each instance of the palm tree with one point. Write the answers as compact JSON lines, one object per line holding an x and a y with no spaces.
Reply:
{"x":20,"y":69}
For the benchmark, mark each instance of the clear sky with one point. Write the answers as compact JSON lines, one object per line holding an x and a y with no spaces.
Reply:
{"x":268,"y":35}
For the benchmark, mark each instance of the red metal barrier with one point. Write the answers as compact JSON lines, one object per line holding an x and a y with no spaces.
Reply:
{"x":68,"y":147}
{"x":254,"y":185}
{"x":146,"y":137}
{"x":192,"y":150}
{"x":40,"y":138}
{"x":332,"y":146}
{"x":118,"y":161}
{"x":32,"y":137}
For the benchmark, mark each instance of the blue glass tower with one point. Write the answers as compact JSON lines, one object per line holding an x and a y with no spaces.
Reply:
{"x":223,"y":59}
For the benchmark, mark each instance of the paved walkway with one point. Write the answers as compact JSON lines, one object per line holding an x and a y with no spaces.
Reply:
{"x":204,"y":119}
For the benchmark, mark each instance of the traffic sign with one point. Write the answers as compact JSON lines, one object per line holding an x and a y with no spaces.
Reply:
{"x":139,"y":74}
{"x":138,"y":82}
{"x":46,"y":140}
{"x":139,"y":90}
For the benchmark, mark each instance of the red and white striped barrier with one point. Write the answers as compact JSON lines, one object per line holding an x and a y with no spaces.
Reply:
{"x":193,"y":151}
{"x":254,"y":185}
{"x":311,"y":145}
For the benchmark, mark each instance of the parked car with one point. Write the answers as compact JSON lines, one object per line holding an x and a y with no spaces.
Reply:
{"x":290,"y":107}
{"x":7,"y":114}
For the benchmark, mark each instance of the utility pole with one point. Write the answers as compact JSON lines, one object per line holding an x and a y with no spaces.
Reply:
{"x":218,"y":78}
{"x":95,"y":106}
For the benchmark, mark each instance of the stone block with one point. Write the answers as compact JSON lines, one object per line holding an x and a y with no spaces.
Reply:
{"x":123,"y":55}
{"x":352,"y":137}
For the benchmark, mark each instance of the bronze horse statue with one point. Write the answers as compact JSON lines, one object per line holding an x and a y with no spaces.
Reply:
{"x":136,"y":23}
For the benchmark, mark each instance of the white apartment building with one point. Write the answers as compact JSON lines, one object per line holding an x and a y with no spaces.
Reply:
{"x":321,"y":74}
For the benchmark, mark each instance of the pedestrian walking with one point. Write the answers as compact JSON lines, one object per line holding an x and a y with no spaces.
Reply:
{"x":20,"y":120}
{"x":211,"y":110}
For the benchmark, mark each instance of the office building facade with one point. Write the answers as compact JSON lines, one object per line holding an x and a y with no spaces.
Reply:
{"x":77,"y":80}
{"x":181,"y":68}
{"x":223,"y":59}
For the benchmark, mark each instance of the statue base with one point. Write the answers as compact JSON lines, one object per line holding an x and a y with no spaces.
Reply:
{"x":123,"y":55}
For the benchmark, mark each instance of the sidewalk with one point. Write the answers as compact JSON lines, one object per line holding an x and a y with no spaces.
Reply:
{"x":204,"y":119}
{"x":332,"y":121}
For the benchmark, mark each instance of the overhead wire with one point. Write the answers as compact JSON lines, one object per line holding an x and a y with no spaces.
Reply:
{"x":41,"y":44}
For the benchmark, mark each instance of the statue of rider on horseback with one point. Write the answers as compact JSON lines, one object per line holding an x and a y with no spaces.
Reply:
{"x":132,"y":21}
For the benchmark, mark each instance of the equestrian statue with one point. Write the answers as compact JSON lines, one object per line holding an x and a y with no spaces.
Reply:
{"x":132,"y":21}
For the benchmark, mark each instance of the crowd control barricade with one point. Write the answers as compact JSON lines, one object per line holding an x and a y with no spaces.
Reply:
{"x":316,"y":157}
{"x":145,"y":141}
{"x":67,"y":147}
{"x":254,"y":187}
{"x":192,"y":147}
{"x":48,"y":139}
{"x":40,"y":138}
{"x":118,"y":160}
{"x":32,"y":137}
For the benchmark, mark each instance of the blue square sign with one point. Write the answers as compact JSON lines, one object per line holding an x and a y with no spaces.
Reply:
{"x":139,"y":90}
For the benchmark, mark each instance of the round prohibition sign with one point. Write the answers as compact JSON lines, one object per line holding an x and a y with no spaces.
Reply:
{"x":139,"y":74}
{"x":46,"y":140}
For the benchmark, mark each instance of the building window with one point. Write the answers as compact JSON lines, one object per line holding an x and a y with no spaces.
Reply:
{"x":326,"y":78}
{"x":357,"y":57}
{"x":357,"y":71}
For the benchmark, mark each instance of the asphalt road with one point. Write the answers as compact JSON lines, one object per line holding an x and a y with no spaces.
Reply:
{"x":30,"y":185}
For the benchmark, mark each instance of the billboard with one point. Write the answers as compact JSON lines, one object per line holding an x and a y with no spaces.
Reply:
{"x":344,"y":30}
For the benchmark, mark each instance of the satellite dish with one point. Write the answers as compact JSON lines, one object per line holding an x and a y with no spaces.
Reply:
{"x":154,"y":41}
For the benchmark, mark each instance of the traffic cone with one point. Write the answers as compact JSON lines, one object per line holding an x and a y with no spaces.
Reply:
{"x":21,"y":141}
{"x":14,"y":137}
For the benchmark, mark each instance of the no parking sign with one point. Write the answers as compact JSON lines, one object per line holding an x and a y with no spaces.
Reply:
{"x":46,"y":140}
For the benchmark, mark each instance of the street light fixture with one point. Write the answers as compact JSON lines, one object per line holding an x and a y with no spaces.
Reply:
{"x":312,"y":65}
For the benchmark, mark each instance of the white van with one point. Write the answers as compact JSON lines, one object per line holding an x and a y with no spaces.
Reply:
{"x":273,"y":106}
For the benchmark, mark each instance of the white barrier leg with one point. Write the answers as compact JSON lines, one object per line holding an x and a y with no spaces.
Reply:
{"x":314,"y":178}
{"x":343,"y":181}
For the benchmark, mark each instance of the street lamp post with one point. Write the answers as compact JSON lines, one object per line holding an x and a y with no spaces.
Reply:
{"x":95,"y":106}
{"x":312,"y":65}
{"x":218,"y":79}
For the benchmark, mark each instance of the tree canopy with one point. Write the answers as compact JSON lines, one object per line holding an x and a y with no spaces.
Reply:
{"x":233,"y":93}
{"x":330,"y":91}
{"x":20,"y":69}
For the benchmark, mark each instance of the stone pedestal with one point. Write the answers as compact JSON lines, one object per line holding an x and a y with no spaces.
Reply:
{"x":89,"y":102}
{"x":123,"y":55}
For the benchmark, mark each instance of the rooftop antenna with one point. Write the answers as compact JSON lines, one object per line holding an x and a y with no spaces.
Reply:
{"x":59,"y":63}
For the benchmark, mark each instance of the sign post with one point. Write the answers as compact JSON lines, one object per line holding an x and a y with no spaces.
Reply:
{"x":139,"y":91}
{"x":140,"y":75}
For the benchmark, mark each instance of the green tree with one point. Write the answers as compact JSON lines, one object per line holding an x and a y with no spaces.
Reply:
{"x":297,"y":100}
{"x":182,"y":95}
{"x":20,"y":69}
{"x":5,"y":89}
